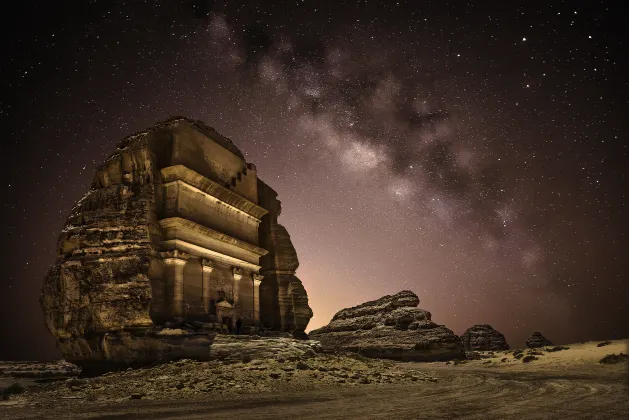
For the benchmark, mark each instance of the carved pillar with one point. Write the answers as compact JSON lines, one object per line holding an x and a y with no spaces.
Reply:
{"x":237,"y":276}
{"x":257,"y":279}
{"x":207,"y":271}
{"x":174,"y":262}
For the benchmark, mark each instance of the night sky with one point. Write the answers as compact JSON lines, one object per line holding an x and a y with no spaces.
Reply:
{"x":474,"y":153}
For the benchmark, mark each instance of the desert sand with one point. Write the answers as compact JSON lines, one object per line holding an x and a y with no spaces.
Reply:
{"x":568,"y":383}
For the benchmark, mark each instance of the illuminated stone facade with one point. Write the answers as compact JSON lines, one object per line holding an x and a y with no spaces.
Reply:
{"x":176,"y":228}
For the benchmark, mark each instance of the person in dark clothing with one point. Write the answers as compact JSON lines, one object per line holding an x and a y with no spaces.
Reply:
{"x":238,"y":325}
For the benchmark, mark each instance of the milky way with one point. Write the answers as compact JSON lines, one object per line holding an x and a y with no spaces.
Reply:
{"x":476,"y":155}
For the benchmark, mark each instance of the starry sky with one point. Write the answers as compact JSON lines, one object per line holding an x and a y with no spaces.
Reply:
{"x":473,"y":152}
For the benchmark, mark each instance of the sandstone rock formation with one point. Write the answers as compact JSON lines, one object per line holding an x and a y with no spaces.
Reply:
{"x":280,"y":286}
{"x":483,"y":338}
{"x":176,"y":228}
{"x":391,"y":327}
{"x":537,"y":340}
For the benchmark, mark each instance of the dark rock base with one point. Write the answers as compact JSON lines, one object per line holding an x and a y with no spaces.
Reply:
{"x":137,"y":349}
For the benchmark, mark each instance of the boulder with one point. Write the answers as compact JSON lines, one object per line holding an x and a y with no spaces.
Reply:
{"x":483,"y":338}
{"x":391,"y":327}
{"x":537,"y":340}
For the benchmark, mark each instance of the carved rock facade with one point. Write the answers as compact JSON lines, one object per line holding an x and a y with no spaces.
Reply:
{"x":483,"y":338}
{"x":391,"y":327}
{"x":175,"y":228}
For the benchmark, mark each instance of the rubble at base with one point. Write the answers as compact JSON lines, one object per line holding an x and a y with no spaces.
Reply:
{"x":188,"y":379}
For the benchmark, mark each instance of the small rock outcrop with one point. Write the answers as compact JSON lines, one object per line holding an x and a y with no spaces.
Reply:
{"x":537,"y":340}
{"x":392,"y":327}
{"x":614,"y":359}
{"x":483,"y":338}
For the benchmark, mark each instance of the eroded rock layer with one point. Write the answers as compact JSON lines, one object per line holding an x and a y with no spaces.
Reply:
{"x":483,"y":338}
{"x":391,"y":327}
{"x":171,"y":231}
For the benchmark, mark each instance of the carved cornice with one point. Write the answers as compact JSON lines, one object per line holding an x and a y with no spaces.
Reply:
{"x":201,"y":252}
{"x":181,"y":174}
{"x":181,"y":223}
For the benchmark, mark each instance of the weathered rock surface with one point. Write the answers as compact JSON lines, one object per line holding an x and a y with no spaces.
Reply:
{"x":391,"y":327}
{"x":537,"y":340}
{"x":280,"y":264}
{"x":483,"y":337}
{"x":100,"y":282}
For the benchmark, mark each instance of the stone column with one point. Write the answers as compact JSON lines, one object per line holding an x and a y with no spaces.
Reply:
{"x":257,"y":279}
{"x":237,"y":276}
{"x":207,"y":271}
{"x":174,"y":273}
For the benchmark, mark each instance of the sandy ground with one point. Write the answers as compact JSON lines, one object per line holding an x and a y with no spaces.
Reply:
{"x":566,"y":384}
